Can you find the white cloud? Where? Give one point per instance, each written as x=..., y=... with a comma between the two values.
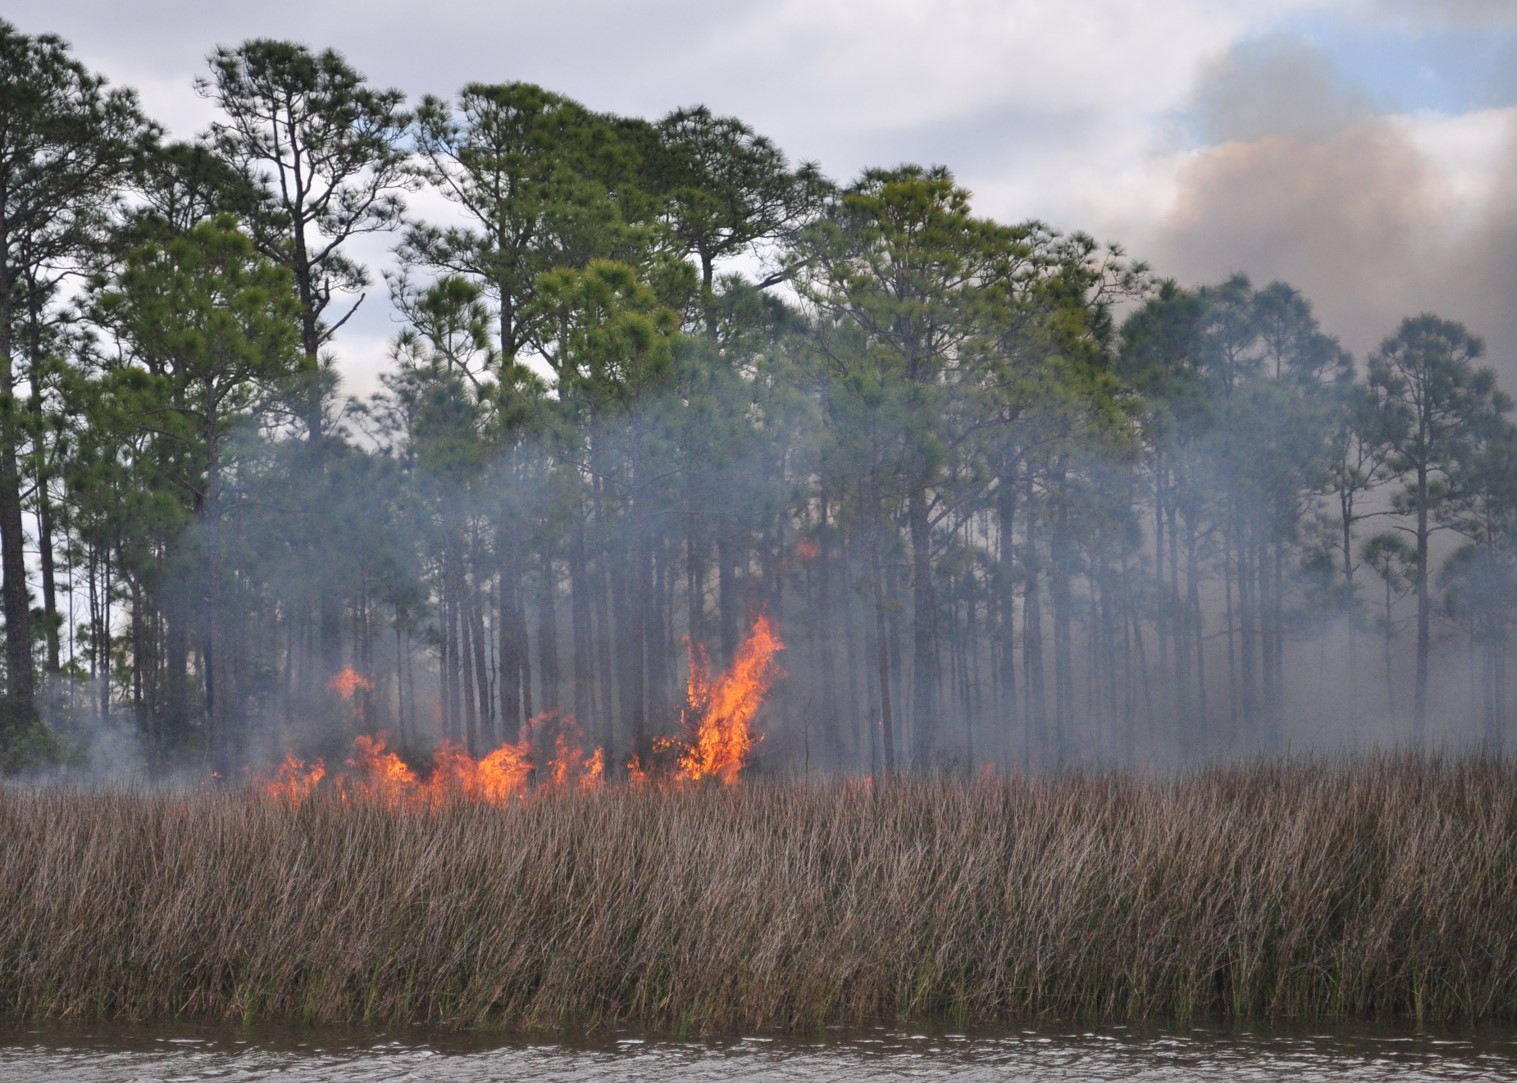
x=1459, y=14
x=1470, y=149
x=819, y=70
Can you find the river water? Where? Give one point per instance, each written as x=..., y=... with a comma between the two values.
x=118, y=1055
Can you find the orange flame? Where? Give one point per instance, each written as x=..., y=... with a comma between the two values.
x=381, y=773
x=295, y=780
x=724, y=736
x=347, y=681
x=493, y=778
x=376, y=772
x=570, y=767
x=550, y=755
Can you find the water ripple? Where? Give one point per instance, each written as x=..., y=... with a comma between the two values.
x=114, y=1054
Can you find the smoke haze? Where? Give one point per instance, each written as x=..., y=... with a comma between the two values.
x=1208, y=139
x=1373, y=217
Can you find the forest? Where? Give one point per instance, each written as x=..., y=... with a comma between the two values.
x=1011, y=498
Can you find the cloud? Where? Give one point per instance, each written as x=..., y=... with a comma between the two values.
x=829, y=70
x=1459, y=14
x=1373, y=217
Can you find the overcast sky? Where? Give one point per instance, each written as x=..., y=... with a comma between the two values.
x=1363, y=150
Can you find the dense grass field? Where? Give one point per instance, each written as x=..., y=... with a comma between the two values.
x=1303, y=890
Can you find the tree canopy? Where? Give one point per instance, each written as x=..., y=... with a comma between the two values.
x=1009, y=498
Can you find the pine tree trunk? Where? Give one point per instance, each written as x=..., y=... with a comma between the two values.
x=464, y=653
x=580, y=591
x=727, y=599
x=882, y=662
x=476, y=606
x=1424, y=612
x=1006, y=600
x=547, y=636
x=695, y=571
x=510, y=690
x=20, y=713
x=924, y=673
x=50, y=619
x=825, y=637
x=1032, y=650
x=1061, y=545
x=218, y=682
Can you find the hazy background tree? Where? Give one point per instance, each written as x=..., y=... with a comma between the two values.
x=213, y=324
x=323, y=151
x=1430, y=398
x=65, y=141
x=1008, y=500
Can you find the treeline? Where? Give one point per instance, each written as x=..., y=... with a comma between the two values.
x=653, y=380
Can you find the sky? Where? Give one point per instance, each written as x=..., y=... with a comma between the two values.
x=1364, y=151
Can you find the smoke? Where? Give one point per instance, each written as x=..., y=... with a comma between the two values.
x=96, y=748
x=1298, y=177
x=1367, y=214
x=1277, y=87
x=1489, y=263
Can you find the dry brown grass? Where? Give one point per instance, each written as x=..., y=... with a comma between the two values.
x=1304, y=890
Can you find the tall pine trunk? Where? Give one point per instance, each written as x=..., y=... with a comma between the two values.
x=924, y=672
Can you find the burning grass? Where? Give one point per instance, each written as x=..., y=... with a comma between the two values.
x=716, y=739
x=1383, y=888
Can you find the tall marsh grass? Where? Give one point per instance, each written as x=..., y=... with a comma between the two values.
x=1307, y=890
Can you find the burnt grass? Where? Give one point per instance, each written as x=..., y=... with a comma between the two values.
x=1303, y=890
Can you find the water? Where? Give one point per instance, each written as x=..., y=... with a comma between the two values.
x=119, y=1055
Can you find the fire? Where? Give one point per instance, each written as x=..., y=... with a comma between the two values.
x=723, y=736
x=348, y=681
x=295, y=780
x=550, y=753
x=493, y=778
x=376, y=772
x=380, y=773
x=592, y=771
x=570, y=767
